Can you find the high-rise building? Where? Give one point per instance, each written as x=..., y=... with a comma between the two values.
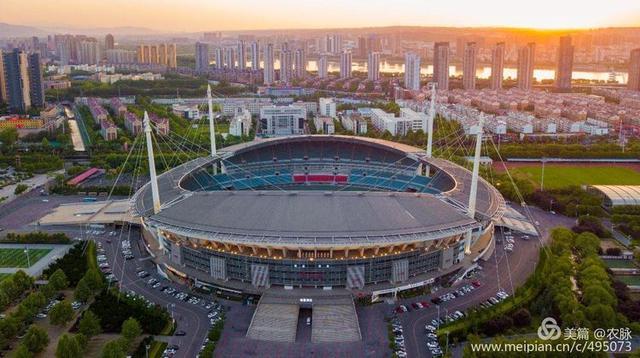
x=526, y=60
x=497, y=66
x=269, y=68
x=633, y=83
x=202, y=57
x=3, y=80
x=219, y=58
x=441, y=65
x=36, y=88
x=120, y=56
x=565, y=63
x=334, y=43
x=469, y=66
x=323, y=66
x=163, y=54
x=16, y=80
x=255, y=55
x=300, y=60
x=286, y=65
x=109, y=42
x=412, y=71
x=242, y=56
x=230, y=58
x=172, y=56
x=212, y=36
x=345, y=64
x=373, y=66
x=88, y=52
x=362, y=47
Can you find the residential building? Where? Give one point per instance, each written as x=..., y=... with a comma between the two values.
x=120, y=56
x=412, y=71
x=202, y=57
x=286, y=65
x=242, y=56
x=240, y=125
x=161, y=124
x=229, y=58
x=16, y=81
x=132, y=123
x=109, y=42
x=108, y=130
x=565, y=63
x=327, y=107
x=441, y=65
x=162, y=54
x=118, y=108
x=353, y=121
x=36, y=87
x=469, y=65
x=219, y=62
x=526, y=60
x=323, y=66
x=255, y=56
x=269, y=68
x=184, y=111
x=373, y=66
x=300, y=61
x=497, y=66
x=633, y=83
x=345, y=64
x=88, y=52
x=282, y=120
x=384, y=121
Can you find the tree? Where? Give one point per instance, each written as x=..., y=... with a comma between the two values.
x=113, y=349
x=131, y=330
x=94, y=279
x=68, y=347
x=22, y=352
x=9, y=137
x=83, y=292
x=521, y=317
x=61, y=313
x=36, y=339
x=45, y=143
x=59, y=280
x=89, y=324
x=20, y=188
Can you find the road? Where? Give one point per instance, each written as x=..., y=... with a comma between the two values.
x=189, y=318
x=503, y=270
x=37, y=180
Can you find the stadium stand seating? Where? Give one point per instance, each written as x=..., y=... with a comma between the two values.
x=334, y=323
x=274, y=322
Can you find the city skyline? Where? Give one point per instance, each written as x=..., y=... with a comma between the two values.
x=282, y=14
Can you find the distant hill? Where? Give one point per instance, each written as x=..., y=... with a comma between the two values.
x=9, y=30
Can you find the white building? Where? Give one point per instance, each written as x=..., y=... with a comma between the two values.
x=241, y=123
x=324, y=125
x=269, y=69
x=323, y=66
x=384, y=121
x=188, y=112
x=373, y=66
x=418, y=119
x=345, y=64
x=412, y=71
x=327, y=107
x=354, y=122
x=255, y=56
x=282, y=120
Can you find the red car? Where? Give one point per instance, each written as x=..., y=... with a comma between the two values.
x=415, y=306
x=475, y=283
x=425, y=304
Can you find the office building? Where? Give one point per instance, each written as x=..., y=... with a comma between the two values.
x=109, y=42
x=373, y=66
x=469, y=66
x=255, y=56
x=286, y=65
x=282, y=120
x=323, y=66
x=300, y=60
x=327, y=107
x=526, y=60
x=242, y=56
x=497, y=66
x=202, y=57
x=633, y=83
x=412, y=71
x=565, y=63
x=441, y=65
x=345, y=64
x=269, y=68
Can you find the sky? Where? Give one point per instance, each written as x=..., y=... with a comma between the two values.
x=203, y=15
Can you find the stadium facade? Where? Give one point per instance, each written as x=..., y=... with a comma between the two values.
x=317, y=211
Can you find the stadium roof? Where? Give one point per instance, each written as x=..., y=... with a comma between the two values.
x=618, y=195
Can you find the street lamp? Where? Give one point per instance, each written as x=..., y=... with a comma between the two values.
x=26, y=251
x=147, y=346
x=172, y=305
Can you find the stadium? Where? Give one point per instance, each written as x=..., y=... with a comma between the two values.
x=317, y=212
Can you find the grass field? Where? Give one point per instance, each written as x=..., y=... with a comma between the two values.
x=18, y=258
x=560, y=175
x=613, y=263
x=629, y=280
x=4, y=276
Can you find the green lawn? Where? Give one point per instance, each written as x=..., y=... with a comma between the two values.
x=18, y=258
x=613, y=263
x=4, y=276
x=629, y=280
x=558, y=176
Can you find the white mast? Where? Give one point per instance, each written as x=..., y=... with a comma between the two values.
x=476, y=168
x=432, y=115
x=212, y=128
x=152, y=165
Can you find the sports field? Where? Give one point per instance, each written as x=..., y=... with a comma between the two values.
x=18, y=258
x=563, y=175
